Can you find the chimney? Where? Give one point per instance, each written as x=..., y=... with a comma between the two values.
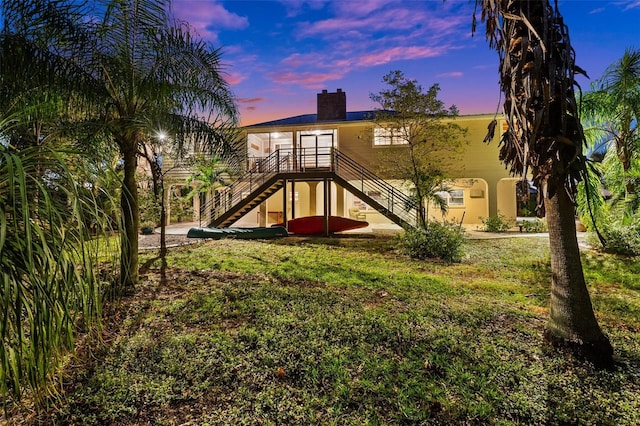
x=332, y=106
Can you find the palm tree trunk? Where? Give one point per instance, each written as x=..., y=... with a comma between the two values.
x=130, y=221
x=572, y=323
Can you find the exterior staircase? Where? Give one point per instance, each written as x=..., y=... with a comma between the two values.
x=269, y=174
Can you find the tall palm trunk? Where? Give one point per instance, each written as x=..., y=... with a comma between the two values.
x=572, y=322
x=537, y=70
x=130, y=222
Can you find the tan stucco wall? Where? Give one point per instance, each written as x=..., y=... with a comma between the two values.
x=479, y=164
x=506, y=198
x=476, y=202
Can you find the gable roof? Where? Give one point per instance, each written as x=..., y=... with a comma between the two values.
x=313, y=119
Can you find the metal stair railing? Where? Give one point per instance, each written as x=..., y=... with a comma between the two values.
x=367, y=182
x=262, y=170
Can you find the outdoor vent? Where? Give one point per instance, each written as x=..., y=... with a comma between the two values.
x=476, y=193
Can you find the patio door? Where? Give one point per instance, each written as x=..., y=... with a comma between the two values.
x=315, y=149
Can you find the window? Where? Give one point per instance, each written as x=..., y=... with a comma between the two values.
x=454, y=198
x=387, y=136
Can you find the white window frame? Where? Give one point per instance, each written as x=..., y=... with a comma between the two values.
x=454, y=197
x=388, y=136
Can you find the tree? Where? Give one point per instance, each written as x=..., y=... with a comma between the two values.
x=151, y=75
x=209, y=173
x=612, y=109
x=544, y=135
x=128, y=76
x=417, y=121
x=49, y=283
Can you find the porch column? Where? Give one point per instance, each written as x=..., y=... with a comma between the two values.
x=262, y=214
x=313, y=193
x=196, y=208
x=339, y=200
x=284, y=203
x=327, y=206
x=293, y=199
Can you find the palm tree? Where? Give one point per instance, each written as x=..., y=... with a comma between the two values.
x=152, y=75
x=48, y=264
x=545, y=137
x=209, y=174
x=613, y=110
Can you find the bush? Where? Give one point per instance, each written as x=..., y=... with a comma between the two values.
x=497, y=223
x=535, y=225
x=620, y=238
x=439, y=240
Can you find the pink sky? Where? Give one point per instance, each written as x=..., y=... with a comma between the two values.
x=279, y=54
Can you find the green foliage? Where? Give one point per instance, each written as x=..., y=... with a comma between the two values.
x=497, y=223
x=611, y=114
x=209, y=173
x=149, y=204
x=50, y=290
x=413, y=120
x=345, y=331
x=536, y=225
x=440, y=240
x=181, y=204
x=621, y=237
x=91, y=60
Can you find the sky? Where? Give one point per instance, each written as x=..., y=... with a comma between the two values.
x=278, y=54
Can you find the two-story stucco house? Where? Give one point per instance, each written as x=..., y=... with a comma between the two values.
x=327, y=164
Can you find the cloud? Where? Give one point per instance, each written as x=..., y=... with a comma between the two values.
x=597, y=10
x=297, y=60
x=630, y=4
x=234, y=78
x=307, y=79
x=295, y=7
x=244, y=101
x=454, y=74
x=398, y=53
x=206, y=16
x=397, y=20
x=355, y=9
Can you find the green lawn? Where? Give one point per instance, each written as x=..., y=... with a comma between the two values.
x=344, y=331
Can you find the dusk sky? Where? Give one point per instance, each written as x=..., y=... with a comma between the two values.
x=279, y=54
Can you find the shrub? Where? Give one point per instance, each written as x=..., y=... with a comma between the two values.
x=498, y=223
x=620, y=238
x=535, y=225
x=438, y=240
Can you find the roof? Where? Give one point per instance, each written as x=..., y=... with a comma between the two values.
x=313, y=119
x=354, y=116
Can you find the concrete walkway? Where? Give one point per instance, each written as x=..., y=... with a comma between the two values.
x=389, y=229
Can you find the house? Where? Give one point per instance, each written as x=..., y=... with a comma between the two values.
x=327, y=163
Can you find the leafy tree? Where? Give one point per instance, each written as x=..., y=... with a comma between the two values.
x=612, y=110
x=545, y=137
x=418, y=122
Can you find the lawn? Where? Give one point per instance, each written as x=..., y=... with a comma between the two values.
x=345, y=331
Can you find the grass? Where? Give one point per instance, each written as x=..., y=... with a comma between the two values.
x=343, y=331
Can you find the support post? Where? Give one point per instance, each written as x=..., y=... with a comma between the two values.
x=284, y=203
x=327, y=206
x=293, y=199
